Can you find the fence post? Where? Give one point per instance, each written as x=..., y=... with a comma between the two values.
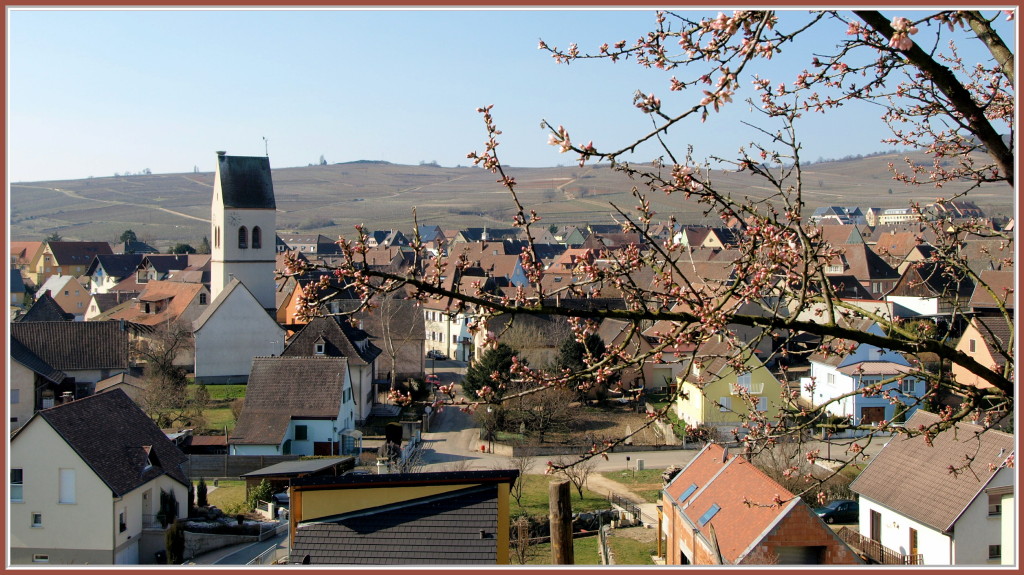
x=560, y=519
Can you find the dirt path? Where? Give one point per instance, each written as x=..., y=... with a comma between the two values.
x=600, y=484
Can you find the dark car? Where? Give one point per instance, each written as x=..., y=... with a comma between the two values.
x=839, y=511
x=435, y=354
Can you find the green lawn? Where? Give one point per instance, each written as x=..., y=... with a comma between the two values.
x=626, y=551
x=229, y=496
x=218, y=413
x=646, y=483
x=535, y=497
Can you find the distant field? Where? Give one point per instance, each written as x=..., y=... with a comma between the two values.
x=169, y=208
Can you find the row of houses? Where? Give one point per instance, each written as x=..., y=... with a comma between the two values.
x=312, y=382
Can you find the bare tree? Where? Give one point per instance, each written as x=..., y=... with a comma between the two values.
x=576, y=470
x=962, y=114
x=167, y=398
x=522, y=461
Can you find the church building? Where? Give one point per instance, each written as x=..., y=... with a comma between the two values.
x=240, y=322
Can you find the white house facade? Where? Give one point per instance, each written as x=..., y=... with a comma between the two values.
x=233, y=330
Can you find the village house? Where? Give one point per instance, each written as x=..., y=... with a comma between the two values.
x=98, y=497
x=440, y=518
x=948, y=498
x=106, y=271
x=64, y=258
x=334, y=336
x=722, y=510
x=296, y=406
x=69, y=292
x=55, y=362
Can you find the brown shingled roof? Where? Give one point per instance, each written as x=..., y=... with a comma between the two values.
x=912, y=478
x=283, y=388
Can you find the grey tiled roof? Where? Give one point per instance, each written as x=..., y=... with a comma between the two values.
x=339, y=337
x=46, y=308
x=25, y=357
x=438, y=530
x=76, y=345
x=246, y=182
x=115, y=265
x=283, y=388
x=913, y=478
x=119, y=442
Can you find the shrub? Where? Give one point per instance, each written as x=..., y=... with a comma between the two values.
x=174, y=542
x=201, y=489
x=262, y=492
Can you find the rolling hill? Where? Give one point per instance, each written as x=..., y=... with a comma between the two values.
x=164, y=209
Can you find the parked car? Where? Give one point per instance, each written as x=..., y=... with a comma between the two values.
x=435, y=354
x=839, y=511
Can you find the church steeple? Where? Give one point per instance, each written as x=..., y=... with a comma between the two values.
x=243, y=226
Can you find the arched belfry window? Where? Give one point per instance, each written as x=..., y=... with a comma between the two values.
x=216, y=236
x=257, y=238
x=243, y=238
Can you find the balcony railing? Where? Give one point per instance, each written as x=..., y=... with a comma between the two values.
x=877, y=552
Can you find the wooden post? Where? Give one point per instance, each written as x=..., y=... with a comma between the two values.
x=560, y=521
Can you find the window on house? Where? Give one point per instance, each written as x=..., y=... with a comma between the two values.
x=257, y=238
x=300, y=433
x=15, y=396
x=243, y=238
x=831, y=379
x=971, y=344
x=67, y=486
x=743, y=380
x=908, y=386
x=995, y=504
x=762, y=403
x=17, y=484
x=995, y=551
x=37, y=520
x=202, y=299
x=40, y=558
x=724, y=403
x=66, y=292
x=122, y=526
x=318, y=349
x=708, y=514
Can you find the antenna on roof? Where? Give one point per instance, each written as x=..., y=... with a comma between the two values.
x=266, y=148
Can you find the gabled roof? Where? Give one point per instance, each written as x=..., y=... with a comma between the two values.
x=749, y=502
x=167, y=263
x=17, y=284
x=115, y=265
x=75, y=345
x=284, y=388
x=176, y=297
x=932, y=279
x=78, y=253
x=928, y=492
x=123, y=378
x=245, y=182
x=25, y=357
x=1002, y=285
x=46, y=308
x=119, y=442
x=440, y=529
x=340, y=339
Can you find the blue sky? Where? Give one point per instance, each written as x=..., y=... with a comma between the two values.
x=94, y=92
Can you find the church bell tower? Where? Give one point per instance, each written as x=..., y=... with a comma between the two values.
x=243, y=220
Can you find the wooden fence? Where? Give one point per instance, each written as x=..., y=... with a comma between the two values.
x=876, y=551
x=230, y=466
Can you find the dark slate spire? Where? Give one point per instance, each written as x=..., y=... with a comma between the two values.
x=245, y=182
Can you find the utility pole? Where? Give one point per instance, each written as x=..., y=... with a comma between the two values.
x=560, y=522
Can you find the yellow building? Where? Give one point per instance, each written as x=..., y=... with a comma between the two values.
x=446, y=518
x=714, y=394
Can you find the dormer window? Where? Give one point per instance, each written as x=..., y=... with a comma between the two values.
x=319, y=346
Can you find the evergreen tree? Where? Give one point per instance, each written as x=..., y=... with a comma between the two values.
x=496, y=360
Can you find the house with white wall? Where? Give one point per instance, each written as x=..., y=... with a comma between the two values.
x=233, y=330
x=94, y=498
x=948, y=498
x=837, y=379
x=296, y=406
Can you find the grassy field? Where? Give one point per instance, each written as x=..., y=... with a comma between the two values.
x=646, y=483
x=625, y=551
x=535, y=497
x=218, y=414
x=229, y=496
